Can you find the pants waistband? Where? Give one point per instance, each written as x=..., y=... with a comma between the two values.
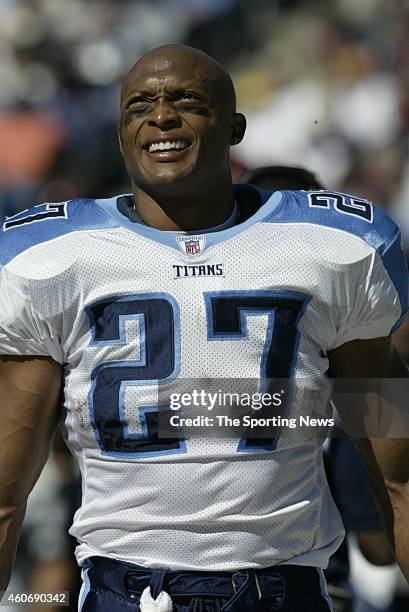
x=130, y=580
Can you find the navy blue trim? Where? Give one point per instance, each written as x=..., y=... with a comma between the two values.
x=122, y=335
x=272, y=304
x=343, y=204
x=130, y=363
x=296, y=209
x=81, y=215
x=42, y=212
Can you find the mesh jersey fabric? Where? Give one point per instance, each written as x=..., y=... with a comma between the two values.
x=203, y=504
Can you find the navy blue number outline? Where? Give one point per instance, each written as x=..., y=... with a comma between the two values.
x=52, y=211
x=243, y=446
x=296, y=297
x=129, y=363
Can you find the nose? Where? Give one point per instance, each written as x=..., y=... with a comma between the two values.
x=164, y=116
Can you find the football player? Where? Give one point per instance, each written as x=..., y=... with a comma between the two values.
x=123, y=303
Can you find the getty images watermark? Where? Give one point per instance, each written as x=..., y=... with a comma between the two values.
x=304, y=408
x=208, y=400
x=255, y=411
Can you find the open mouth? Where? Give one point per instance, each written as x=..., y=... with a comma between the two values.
x=169, y=145
x=167, y=150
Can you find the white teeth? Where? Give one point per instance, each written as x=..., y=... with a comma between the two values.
x=167, y=146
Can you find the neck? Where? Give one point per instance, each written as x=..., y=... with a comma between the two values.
x=185, y=213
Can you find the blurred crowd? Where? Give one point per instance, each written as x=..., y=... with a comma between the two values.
x=324, y=85
x=60, y=68
x=329, y=89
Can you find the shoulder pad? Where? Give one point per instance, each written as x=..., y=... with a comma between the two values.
x=340, y=211
x=46, y=222
x=355, y=216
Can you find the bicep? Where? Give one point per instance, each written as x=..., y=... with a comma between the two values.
x=30, y=391
x=366, y=359
x=373, y=401
x=374, y=547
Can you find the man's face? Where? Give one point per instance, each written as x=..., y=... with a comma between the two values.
x=173, y=123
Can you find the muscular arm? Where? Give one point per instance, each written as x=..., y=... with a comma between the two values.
x=374, y=546
x=386, y=458
x=30, y=390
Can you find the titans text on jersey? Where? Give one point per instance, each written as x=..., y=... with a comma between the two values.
x=299, y=275
x=191, y=271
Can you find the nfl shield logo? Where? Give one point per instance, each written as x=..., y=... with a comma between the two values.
x=191, y=245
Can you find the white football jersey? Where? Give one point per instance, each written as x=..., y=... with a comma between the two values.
x=136, y=315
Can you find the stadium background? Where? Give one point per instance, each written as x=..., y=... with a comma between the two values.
x=324, y=85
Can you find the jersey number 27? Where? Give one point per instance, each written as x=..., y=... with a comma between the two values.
x=158, y=362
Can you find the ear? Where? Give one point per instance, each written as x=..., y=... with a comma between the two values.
x=120, y=139
x=238, y=128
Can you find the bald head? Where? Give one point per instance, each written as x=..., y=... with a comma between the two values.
x=193, y=62
x=178, y=121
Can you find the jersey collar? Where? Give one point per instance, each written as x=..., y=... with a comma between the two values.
x=254, y=206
